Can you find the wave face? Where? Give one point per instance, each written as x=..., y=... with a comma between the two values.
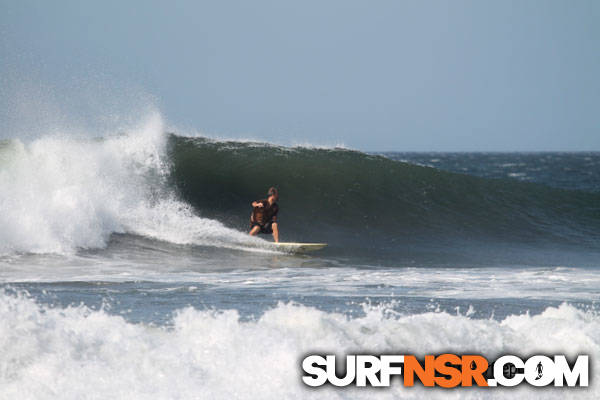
x=209, y=354
x=373, y=203
x=60, y=194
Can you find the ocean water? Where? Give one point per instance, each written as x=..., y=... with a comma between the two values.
x=126, y=270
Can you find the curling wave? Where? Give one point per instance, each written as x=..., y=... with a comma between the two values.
x=362, y=200
x=59, y=194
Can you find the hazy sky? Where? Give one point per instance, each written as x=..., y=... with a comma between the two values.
x=374, y=75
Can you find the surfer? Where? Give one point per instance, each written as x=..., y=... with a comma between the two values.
x=264, y=215
x=539, y=369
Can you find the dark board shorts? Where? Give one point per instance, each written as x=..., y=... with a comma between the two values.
x=266, y=228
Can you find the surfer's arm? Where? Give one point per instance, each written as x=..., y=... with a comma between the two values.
x=257, y=204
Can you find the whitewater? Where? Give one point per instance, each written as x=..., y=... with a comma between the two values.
x=60, y=194
x=126, y=270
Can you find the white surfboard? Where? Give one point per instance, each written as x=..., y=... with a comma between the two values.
x=299, y=247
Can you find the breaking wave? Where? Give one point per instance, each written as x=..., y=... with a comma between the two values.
x=77, y=352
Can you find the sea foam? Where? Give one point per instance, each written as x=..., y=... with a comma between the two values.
x=60, y=193
x=79, y=353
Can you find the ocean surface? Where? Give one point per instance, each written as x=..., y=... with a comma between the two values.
x=126, y=270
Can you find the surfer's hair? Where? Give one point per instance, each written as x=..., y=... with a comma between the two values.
x=273, y=192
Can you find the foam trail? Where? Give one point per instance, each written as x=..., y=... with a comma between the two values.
x=58, y=194
x=75, y=352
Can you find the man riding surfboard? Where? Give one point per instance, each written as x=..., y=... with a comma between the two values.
x=264, y=215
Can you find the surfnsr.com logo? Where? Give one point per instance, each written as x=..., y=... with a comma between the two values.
x=446, y=370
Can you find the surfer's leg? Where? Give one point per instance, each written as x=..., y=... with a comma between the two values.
x=255, y=229
x=275, y=231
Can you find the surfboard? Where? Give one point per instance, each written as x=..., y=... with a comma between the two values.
x=299, y=247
